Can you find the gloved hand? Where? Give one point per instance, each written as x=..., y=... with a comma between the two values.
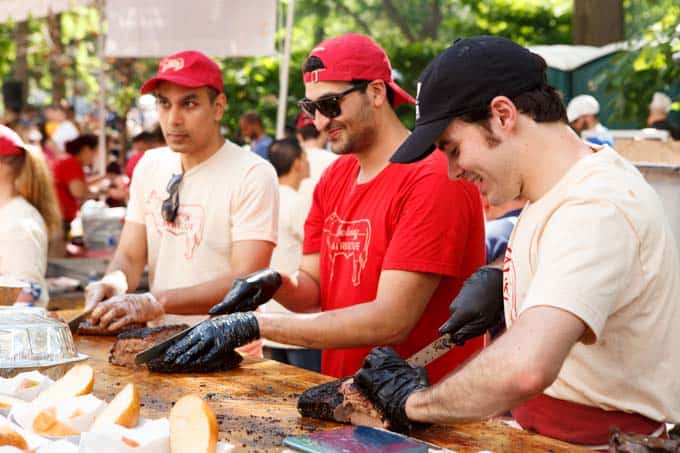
x=119, y=311
x=388, y=380
x=212, y=337
x=249, y=292
x=478, y=306
x=113, y=284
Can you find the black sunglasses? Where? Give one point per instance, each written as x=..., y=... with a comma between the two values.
x=329, y=105
x=170, y=206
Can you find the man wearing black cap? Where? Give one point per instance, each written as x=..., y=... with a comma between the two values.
x=591, y=275
x=382, y=257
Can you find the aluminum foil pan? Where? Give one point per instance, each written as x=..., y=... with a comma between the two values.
x=30, y=341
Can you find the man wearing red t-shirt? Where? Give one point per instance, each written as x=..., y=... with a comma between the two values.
x=383, y=256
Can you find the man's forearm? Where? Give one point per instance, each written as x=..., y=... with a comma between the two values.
x=133, y=271
x=484, y=387
x=361, y=325
x=196, y=299
x=518, y=366
x=299, y=293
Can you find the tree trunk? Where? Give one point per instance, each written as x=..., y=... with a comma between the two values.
x=434, y=20
x=597, y=22
x=57, y=58
x=399, y=20
x=20, y=66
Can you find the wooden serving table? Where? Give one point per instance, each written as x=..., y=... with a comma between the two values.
x=255, y=405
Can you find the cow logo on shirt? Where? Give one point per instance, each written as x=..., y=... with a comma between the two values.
x=510, y=283
x=348, y=240
x=190, y=222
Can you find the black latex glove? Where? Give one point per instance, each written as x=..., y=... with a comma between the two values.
x=478, y=306
x=211, y=338
x=249, y=292
x=388, y=380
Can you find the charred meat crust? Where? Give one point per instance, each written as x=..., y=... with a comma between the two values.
x=129, y=344
x=87, y=328
x=620, y=442
x=321, y=401
x=340, y=401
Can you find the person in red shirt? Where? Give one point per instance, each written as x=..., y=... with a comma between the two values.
x=383, y=256
x=69, y=178
x=141, y=143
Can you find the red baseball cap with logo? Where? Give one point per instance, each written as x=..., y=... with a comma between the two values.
x=189, y=68
x=354, y=57
x=10, y=142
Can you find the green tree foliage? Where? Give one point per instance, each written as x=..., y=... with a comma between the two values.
x=411, y=31
x=652, y=65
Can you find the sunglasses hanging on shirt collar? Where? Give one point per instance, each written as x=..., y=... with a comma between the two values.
x=329, y=105
x=170, y=206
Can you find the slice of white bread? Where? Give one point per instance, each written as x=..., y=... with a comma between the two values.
x=79, y=380
x=193, y=426
x=46, y=423
x=6, y=402
x=11, y=438
x=123, y=410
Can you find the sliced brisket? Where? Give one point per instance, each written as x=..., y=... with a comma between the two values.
x=87, y=328
x=339, y=401
x=131, y=343
x=634, y=443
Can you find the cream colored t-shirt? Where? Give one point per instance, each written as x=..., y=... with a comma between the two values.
x=233, y=196
x=23, y=245
x=599, y=246
x=293, y=209
x=319, y=159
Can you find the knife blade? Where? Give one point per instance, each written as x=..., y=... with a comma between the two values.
x=432, y=351
x=159, y=349
x=75, y=322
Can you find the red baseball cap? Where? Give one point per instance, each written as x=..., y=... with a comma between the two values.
x=188, y=69
x=10, y=142
x=354, y=57
x=303, y=120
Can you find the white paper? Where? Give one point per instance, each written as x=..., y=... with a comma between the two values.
x=16, y=386
x=32, y=440
x=60, y=446
x=87, y=407
x=150, y=436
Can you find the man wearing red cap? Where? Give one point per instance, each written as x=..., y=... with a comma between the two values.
x=383, y=257
x=202, y=212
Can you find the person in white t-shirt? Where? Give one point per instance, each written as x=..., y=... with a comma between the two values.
x=292, y=167
x=29, y=215
x=591, y=277
x=314, y=144
x=202, y=211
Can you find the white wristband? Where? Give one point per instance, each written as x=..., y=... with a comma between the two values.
x=117, y=280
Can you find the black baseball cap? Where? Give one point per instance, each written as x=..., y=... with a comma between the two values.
x=463, y=78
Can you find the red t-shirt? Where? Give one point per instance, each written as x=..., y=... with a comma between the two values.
x=409, y=217
x=65, y=170
x=132, y=163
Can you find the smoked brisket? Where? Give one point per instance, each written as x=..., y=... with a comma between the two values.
x=129, y=344
x=620, y=442
x=87, y=328
x=339, y=401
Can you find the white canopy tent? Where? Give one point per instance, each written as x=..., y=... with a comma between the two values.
x=19, y=10
x=155, y=28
